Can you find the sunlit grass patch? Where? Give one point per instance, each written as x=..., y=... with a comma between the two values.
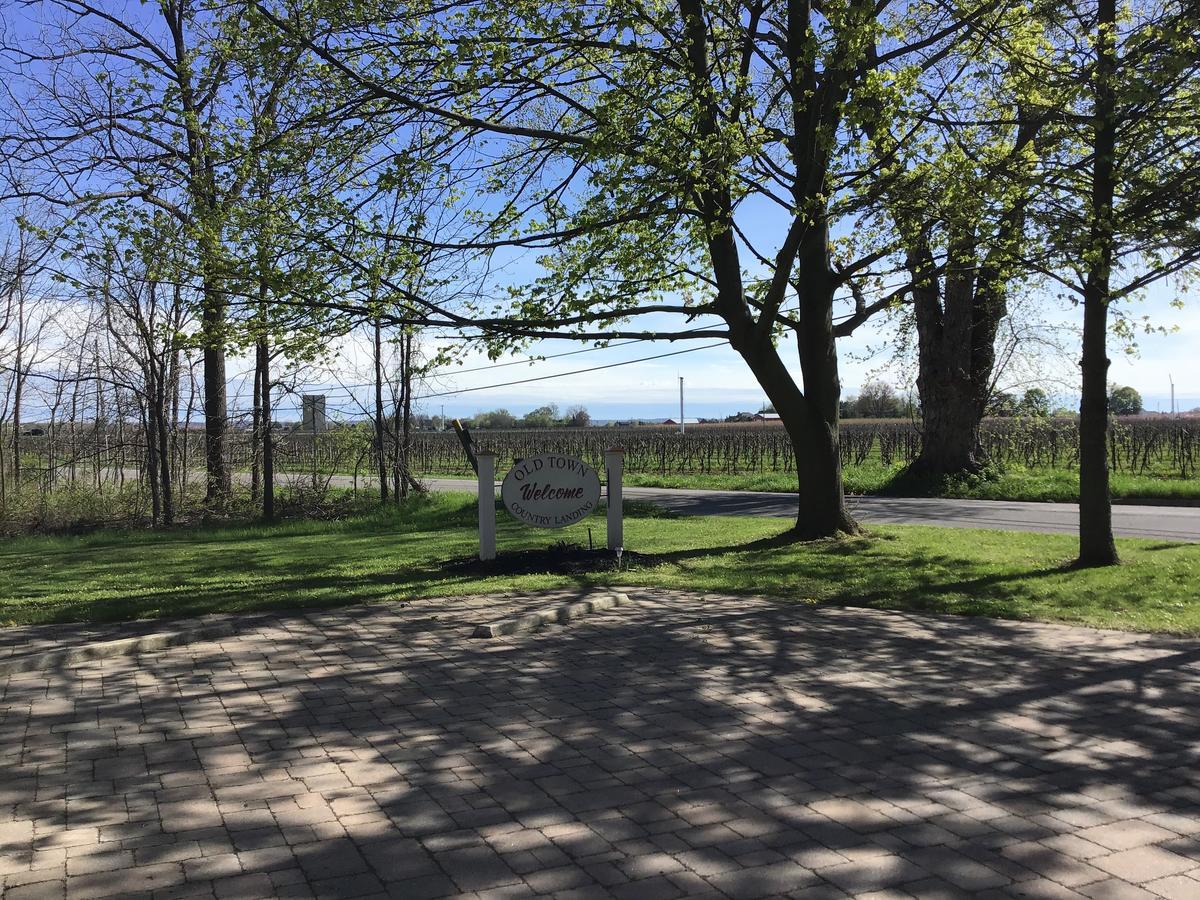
x=401, y=553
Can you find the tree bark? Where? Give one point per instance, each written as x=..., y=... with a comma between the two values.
x=948, y=377
x=823, y=510
x=406, y=423
x=956, y=332
x=163, y=437
x=810, y=417
x=19, y=382
x=256, y=432
x=18, y=387
x=150, y=429
x=100, y=451
x=216, y=419
x=263, y=363
x=1096, y=544
x=380, y=442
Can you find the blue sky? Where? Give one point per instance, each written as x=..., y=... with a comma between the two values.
x=717, y=383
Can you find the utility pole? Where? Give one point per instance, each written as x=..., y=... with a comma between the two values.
x=681, y=425
x=442, y=420
x=1172, y=380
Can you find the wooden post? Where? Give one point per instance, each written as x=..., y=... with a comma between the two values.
x=487, y=504
x=464, y=437
x=614, y=468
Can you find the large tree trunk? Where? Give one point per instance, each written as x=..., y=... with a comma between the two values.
x=150, y=429
x=164, y=443
x=950, y=382
x=256, y=433
x=216, y=417
x=16, y=422
x=950, y=422
x=263, y=363
x=403, y=481
x=152, y=414
x=956, y=333
x=813, y=435
x=809, y=416
x=380, y=442
x=406, y=423
x=823, y=510
x=1096, y=544
x=18, y=387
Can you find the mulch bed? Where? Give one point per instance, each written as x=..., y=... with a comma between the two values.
x=559, y=559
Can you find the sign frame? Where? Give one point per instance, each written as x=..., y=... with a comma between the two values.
x=550, y=490
x=614, y=460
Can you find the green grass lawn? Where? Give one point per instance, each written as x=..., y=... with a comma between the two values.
x=396, y=554
x=1041, y=485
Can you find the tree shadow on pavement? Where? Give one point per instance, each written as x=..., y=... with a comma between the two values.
x=729, y=747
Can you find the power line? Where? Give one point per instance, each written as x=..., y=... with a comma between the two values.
x=628, y=362
x=537, y=359
x=349, y=388
x=529, y=360
x=348, y=391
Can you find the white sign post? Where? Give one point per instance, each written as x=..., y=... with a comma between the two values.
x=487, y=504
x=551, y=490
x=614, y=468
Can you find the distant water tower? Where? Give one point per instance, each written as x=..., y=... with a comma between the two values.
x=313, y=410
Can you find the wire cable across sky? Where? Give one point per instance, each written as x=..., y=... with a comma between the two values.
x=627, y=362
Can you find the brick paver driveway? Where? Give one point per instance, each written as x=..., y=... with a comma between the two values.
x=675, y=748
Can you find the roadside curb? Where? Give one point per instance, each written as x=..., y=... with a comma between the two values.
x=561, y=615
x=159, y=640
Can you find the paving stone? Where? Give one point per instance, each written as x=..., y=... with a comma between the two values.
x=657, y=888
x=959, y=870
x=1043, y=889
x=688, y=746
x=1175, y=887
x=476, y=868
x=1116, y=889
x=873, y=874
x=647, y=865
x=45, y=890
x=1125, y=835
x=245, y=886
x=1144, y=864
x=125, y=881
x=764, y=881
x=424, y=887
x=564, y=878
x=1075, y=846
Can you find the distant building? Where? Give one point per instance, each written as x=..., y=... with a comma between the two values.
x=688, y=420
x=767, y=417
x=313, y=408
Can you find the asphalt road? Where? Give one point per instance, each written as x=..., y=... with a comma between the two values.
x=1174, y=523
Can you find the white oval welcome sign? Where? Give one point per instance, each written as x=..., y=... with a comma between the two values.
x=550, y=491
